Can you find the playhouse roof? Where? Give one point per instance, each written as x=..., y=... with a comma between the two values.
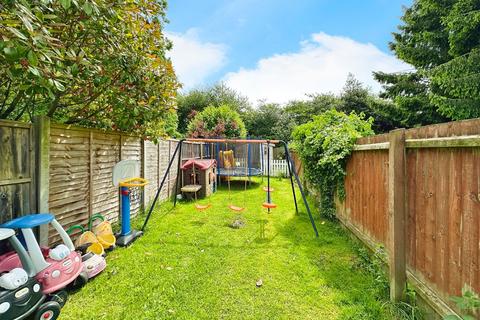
x=200, y=164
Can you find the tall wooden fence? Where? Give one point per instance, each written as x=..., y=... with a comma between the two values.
x=68, y=171
x=417, y=193
x=17, y=169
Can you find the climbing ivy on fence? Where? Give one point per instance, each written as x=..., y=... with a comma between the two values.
x=324, y=145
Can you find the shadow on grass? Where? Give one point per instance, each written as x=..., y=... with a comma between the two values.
x=238, y=184
x=332, y=255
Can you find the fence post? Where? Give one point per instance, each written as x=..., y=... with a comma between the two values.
x=144, y=174
x=397, y=213
x=42, y=137
x=90, y=175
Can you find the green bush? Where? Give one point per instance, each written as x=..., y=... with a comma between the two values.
x=324, y=145
x=217, y=122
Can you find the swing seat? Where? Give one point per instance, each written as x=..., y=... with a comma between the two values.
x=235, y=208
x=266, y=189
x=269, y=205
x=200, y=207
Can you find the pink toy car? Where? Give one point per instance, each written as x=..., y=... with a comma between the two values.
x=55, y=268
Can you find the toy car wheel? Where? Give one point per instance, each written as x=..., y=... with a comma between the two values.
x=60, y=297
x=48, y=311
x=81, y=280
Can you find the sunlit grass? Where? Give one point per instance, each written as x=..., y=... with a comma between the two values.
x=193, y=265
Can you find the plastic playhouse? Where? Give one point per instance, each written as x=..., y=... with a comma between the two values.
x=198, y=176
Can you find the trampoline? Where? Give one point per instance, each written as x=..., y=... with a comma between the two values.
x=239, y=172
x=246, y=159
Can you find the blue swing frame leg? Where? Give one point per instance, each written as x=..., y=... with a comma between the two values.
x=127, y=236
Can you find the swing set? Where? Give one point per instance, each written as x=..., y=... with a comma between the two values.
x=229, y=165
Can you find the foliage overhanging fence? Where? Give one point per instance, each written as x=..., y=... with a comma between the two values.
x=416, y=192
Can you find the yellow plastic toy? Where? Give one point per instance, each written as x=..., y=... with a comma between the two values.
x=87, y=238
x=103, y=231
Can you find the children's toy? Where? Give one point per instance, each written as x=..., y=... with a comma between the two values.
x=103, y=231
x=126, y=175
x=93, y=263
x=87, y=241
x=13, y=279
x=55, y=268
x=20, y=292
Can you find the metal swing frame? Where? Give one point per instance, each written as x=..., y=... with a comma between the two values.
x=290, y=165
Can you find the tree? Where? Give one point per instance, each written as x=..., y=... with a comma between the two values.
x=302, y=111
x=196, y=100
x=95, y=63
x=217, y=122
x=269, y=121
x=410, y=93
x=441, y=39
x=355, y=97
x=455, y=83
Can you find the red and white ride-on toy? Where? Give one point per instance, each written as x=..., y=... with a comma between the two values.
x=55, y=268
x=20, y=292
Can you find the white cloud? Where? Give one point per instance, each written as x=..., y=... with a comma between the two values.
x=193, y=60
x=321, y=65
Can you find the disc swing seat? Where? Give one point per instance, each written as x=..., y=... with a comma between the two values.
x=268, y=204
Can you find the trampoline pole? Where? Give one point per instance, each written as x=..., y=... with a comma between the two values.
x=301, y=191
x=261, y=161
x=178, y=171
x=160, y=187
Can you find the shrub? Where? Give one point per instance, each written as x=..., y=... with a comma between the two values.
x=217, y=122
x=324, y=145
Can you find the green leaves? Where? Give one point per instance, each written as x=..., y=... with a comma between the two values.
x=32, y=58
x=324, y=145
x=440, y=39
x=215, y=122
x=75, y=62
x=17, y=33
x=88, y=8
x=66, y=4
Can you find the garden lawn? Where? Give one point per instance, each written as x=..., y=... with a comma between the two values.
x=193, y=265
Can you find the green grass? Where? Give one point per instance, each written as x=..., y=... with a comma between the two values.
x=192, y=265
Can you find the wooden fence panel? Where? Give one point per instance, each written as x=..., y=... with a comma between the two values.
x=69, y=182
x=105, y=148
x=17, y=188
x=131, y=149
x=443, y=223
x=151, y=170
x=366, y=189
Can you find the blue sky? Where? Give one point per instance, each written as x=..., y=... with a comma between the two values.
x=275, y=49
